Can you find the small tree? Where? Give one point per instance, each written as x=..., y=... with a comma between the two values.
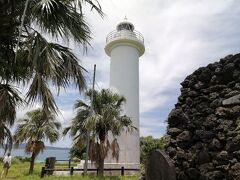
x=106, y=119
x=78, y=150
x=36, y=128
x=147, y=145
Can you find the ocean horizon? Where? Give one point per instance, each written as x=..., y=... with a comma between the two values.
x=60, y=154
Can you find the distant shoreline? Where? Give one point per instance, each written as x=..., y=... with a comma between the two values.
x=22, y=146
x=59, y=153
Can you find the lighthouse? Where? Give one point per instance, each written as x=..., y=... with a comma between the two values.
x=124, y=46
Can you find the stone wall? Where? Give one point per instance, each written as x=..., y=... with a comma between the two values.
x=203, y=142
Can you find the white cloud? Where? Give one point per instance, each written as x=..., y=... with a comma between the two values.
x=180, y=36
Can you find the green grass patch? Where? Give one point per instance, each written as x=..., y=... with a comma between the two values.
x=19, y=170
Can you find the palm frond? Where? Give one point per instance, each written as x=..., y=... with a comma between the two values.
x=36, y=128
x=60, y=18
x=94, y=5
x=115, y=149
x=40, y=91
x=9, y=100
x=6, y=140
x=34, y=146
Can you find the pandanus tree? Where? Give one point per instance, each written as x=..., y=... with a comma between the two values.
x=34, y=60
x=106, y=119
x=35, y=129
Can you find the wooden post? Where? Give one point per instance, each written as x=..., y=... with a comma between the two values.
x=71, y=171
x=122, y=171
x=42, y=172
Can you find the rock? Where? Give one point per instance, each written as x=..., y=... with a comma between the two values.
x=171, y=151
x=199, y=85
x=204, y=168
x=185, y=165
x=204, y=143
x=223, y=112
x=218, y=71
x=205, y=76
x=233, y=161
x=216, y=103
x=204, y=134
x=236, y=74
x=176, y=117
x=221, y=136
x=235, y=111
x=193, y=173
x=182, y=155
x=222, y=158
x=184, y=136
x=225, y=125
x=216, y=88
x=232, y=100
x=236, y=154
x=174, y=131
x=232, y=92
x=235, y=171
x=189, y=101
x=160, y=167
x=233, y=145
x=223, y=155
x=228, y=72
x=215, y=175
x=215, y=145
x=185, y=83
x=203, y=157
x=192, y=94
x=223, y=168
x=232, y=133
x=213, y=96
x=182, y=176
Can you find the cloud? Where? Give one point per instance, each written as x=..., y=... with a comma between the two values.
x=180, y=36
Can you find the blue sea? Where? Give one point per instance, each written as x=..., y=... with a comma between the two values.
x=59, y=154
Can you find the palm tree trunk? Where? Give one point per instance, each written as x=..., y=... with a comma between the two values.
x=101, y=166
x=32, y=163
x=101, y=156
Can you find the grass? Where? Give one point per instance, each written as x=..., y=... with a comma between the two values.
x=19, y=171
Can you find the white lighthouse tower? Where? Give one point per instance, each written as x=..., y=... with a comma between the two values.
x=125, y=45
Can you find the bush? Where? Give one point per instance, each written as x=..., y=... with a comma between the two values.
x=149, y=144
x=16, y=161
x=23, y=159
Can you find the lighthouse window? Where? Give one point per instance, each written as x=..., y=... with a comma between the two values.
x=125, y=27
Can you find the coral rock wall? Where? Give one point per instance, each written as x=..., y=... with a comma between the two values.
x=203, y=142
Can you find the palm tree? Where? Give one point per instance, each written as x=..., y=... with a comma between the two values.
x=36, y=128
x=38, y=62
x=106, y=119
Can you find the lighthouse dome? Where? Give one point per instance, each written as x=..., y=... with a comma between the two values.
x=125, y=25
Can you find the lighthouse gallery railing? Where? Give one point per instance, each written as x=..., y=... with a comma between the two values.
x=125, y=34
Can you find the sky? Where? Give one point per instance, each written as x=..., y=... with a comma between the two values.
x=180, y=36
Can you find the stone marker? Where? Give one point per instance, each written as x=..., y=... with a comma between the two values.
x=50, y=164
x=159, y=167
